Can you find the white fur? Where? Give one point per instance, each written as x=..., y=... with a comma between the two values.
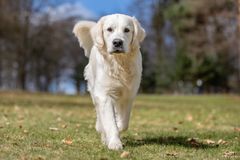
x=113, y=79
x=82, y=32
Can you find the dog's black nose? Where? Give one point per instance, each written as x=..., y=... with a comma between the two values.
x=117, y=43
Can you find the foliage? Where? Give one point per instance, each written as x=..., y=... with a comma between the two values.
x=213, y=72
x=191, y=19
x=184, y=65
x=205, y=35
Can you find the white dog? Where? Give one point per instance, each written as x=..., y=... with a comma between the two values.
x=113, y=72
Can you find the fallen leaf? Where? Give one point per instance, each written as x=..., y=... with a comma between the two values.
x=24, y=158
x=193, y=142
x=192, y=139
x=175, y=128
x=59, y=119
x=40, y=158
x=25, y=131
x=135, y=134
x=220, y=141
x=64, y=126
x=237, y=129
x=67, y=141
x=199, y=125
x=180, y=122
x=125, y=154
x=208, y=141
x=189, y=118
x=21, y=117
x=47, y=145
x=229, y=154
x=174, y=154
x=17, y=108
x=69, y=114
x=53, y=129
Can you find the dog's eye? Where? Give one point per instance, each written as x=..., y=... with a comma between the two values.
x=126, y=30
x=109, y=29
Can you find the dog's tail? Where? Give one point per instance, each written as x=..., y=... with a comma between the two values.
x=82, y=32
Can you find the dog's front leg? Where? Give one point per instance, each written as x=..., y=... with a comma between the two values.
x=108, y=119
x=123, y=115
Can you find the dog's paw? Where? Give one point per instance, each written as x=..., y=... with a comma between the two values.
x=122, y=128
x=115, y=144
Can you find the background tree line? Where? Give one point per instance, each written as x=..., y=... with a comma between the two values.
x=35, y=52
x=191, y=47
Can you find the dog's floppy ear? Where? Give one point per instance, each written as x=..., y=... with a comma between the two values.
x=97, y=33
x=138, y=34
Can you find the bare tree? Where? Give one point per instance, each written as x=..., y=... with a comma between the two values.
x=34, y=55
x=238, y=39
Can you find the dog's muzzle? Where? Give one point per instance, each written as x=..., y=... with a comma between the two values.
x=117, y=46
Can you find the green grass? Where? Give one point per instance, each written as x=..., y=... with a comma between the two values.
x=161, y=127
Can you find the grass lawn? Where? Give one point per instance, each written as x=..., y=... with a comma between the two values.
x=42, y=126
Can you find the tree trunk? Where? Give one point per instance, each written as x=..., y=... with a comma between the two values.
x=22, y=77
x=238, y=41
x=24, y=48
x=77, y=85
x=0, y=72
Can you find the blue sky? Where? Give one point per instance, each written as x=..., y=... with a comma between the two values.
x=86, y=9
x=97, y=8
x=100, y=7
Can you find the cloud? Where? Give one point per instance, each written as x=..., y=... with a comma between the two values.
x=67, y=10
x=64, y=11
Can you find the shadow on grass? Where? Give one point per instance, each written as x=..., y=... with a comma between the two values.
x=176, y=141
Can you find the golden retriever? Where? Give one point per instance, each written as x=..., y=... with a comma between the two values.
x=113, y=72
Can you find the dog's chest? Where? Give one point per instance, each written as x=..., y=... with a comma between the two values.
x=122, y=71
x=123, y=78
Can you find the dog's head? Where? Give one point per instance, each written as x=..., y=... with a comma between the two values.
x=117, y=33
